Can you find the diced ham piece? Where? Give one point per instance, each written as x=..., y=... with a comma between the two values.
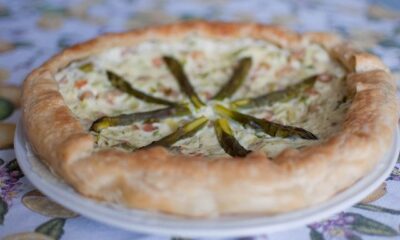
x=268, y=115
x=325, y=78
x=297, y=55
x=86, y=95
x=80, y=83
x=284, y=71
x=263, y=65
x=313, y=108
x=157, y=62
x=208, y=95
x=312, y=92
x=149, y=127
x=197, y=54
x=110, y=95
x=169, y=91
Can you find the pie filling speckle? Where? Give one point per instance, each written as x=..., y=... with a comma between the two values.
x=207, y=97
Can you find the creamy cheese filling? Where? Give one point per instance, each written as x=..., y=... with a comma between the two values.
x=208, y=64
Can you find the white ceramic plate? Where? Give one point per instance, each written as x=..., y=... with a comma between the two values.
x=163, y=224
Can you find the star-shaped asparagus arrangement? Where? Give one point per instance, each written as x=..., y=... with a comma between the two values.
x=223, y=130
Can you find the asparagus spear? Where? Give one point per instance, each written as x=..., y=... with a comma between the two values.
x=227, y=140
x=86, y=68
x=236, y=80
x=276, y=96
x=176, y=69
x=270, y=128
x=126, y=119
x=6, y=108
x=185, y=131
x=118, y=82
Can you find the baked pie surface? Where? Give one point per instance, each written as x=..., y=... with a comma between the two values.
x=350, y=107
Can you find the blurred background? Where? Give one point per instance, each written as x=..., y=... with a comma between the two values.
x=33, y=30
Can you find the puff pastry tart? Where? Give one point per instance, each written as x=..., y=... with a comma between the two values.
x=208, y=118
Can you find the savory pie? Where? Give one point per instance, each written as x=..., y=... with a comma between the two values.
x=208, y=118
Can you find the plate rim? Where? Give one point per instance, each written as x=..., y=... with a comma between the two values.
x=250, y=225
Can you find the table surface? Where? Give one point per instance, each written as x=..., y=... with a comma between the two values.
x=32, y=31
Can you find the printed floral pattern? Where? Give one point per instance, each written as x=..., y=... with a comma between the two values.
x=337, y=227
x=349, y=226
x=395, y=175
x=32, y=31
x=9, y=181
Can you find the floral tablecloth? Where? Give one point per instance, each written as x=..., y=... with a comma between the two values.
x=32, y=31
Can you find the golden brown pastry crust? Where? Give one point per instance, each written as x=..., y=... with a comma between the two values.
x=156, y=180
